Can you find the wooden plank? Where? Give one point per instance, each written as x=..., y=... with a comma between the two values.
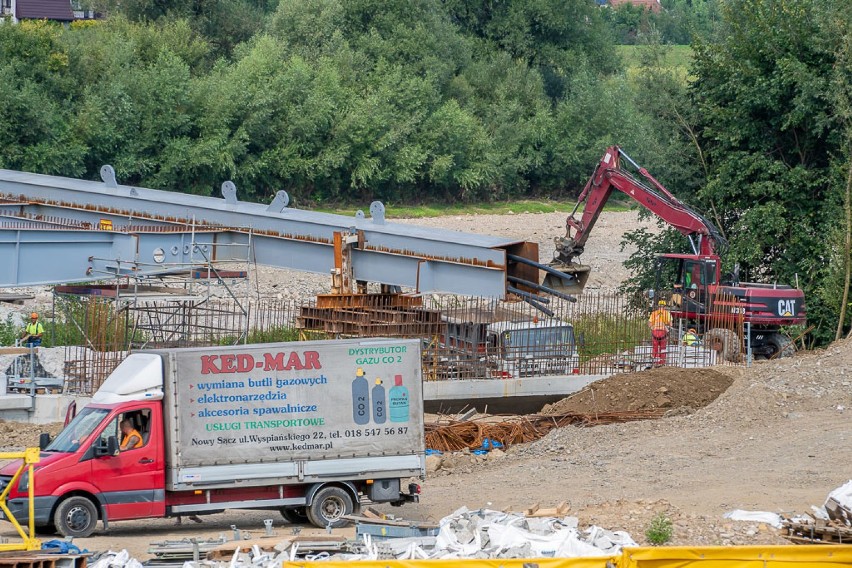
x=16, y=350
x=537, y=511
x=804, y=540
x=266, y=543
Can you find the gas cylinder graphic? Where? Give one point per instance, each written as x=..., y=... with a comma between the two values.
x=379, y=403
x=360, y=398
x=398, y=401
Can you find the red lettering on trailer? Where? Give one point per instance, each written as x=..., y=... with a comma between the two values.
x=312, y=360
x=228, y=363
x=245, y=363
x=294, y=362
x=208, y=365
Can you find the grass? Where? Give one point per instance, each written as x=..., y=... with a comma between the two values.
x=660, y=530
x=425, y=210
x=676, y=57
x=600, y=334
x=272, y=335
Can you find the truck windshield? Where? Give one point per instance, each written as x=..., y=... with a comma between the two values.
x=78, y=431
x=540, y=339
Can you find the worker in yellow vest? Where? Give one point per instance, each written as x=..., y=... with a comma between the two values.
x=33, y=332
x=660, y=322
x=690, y=338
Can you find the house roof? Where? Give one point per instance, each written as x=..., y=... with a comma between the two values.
x=44, y=9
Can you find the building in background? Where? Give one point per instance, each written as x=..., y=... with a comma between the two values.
x=54, y=10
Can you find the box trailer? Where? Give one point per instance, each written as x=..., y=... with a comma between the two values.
x=313, y=429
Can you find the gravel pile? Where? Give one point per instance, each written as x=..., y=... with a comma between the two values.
x=15, y=436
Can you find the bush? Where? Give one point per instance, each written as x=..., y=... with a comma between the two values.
x=660, y=530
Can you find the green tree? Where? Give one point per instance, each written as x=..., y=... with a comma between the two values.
x=770, y=132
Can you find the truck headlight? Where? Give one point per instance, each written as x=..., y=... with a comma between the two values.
x=24, y=481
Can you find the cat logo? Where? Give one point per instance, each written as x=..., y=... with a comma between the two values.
x=786, y=307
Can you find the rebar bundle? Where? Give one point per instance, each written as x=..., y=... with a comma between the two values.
x=455, y=435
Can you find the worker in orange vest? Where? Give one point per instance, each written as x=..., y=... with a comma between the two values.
x=660, y=322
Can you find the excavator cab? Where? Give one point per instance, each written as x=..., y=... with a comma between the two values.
x=690, y=279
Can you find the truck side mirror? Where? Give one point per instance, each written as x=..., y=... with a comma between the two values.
x=112, y=446
x=43, y=440
x=107, y=448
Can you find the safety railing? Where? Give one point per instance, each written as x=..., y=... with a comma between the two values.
x=29, y=458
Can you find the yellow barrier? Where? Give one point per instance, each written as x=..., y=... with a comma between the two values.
x=29, y=456
x=597, y=562
x=822, y=556
x=818, y=556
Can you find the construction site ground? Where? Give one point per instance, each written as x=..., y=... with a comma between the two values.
x=777, y=439
x=775, y=436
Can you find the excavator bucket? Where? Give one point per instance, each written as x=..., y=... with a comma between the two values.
x=577, y=276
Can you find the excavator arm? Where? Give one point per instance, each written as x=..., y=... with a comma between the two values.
x=609, y=176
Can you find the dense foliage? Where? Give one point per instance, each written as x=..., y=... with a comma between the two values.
x=328, y=99
x=677, y=23
x=456, y=100
x=767, y=119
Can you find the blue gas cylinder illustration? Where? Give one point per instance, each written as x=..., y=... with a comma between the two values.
x=398, y=401
x=379, y=403
x=360, y=398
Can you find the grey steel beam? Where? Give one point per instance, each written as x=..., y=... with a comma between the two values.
x=160, y=224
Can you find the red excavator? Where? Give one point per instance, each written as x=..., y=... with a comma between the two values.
x=692, y=282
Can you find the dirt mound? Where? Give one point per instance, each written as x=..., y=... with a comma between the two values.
x=663, y=388
x=19, y=435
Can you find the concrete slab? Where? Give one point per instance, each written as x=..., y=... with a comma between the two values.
x=48, y=407
x=15, y=402
x=518, y=396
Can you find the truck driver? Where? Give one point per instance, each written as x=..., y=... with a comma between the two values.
x=131, y=438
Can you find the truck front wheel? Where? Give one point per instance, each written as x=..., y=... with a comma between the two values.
x=76, y=517
x=329, y=505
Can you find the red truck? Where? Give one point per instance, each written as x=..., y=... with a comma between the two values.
x=313, y=429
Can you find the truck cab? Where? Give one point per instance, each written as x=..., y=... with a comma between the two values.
x=531, y=348
x=84, y=476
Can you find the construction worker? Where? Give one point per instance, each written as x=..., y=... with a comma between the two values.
x=33, y=332
x=131, y=438
x=660, y=322
x=690, y=338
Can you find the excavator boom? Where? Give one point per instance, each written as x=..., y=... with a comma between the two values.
x=610, y=176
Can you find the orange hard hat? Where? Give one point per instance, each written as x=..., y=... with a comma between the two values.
x=691, y=330
x=34, y=315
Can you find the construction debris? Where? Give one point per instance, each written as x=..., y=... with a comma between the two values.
x=481, y=533
x=112, y=559
x=829, y=524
